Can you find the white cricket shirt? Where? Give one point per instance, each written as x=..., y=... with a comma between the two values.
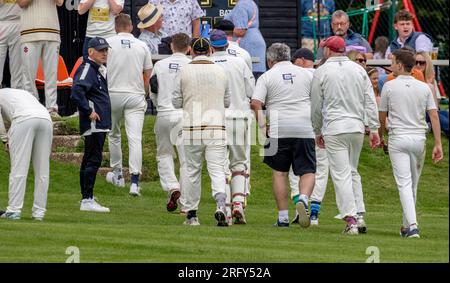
x=18, y=105
x=128, y=57
x=9, y=11
x=167, y=72
x=235, y=50
x=406, y=100
x=341, y=95
x=285, y=90
x=241, y=80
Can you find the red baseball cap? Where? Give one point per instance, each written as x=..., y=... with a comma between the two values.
x=335, y=43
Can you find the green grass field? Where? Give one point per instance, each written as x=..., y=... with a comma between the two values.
x=141, y=230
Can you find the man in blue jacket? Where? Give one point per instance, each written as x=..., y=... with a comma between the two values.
x=404, y=25
x=90, y=93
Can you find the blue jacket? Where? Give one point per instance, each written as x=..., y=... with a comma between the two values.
x=410, y=41
x=90, y=92
x=354, y=38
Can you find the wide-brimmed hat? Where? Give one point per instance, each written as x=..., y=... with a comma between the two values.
x=149, y=15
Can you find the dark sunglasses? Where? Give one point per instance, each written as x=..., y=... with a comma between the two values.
x=360, y=60
x=421, y=63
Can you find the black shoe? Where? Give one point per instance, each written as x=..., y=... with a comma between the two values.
x=281, y=224
x=2, y=212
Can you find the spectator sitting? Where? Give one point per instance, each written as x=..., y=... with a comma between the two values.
x=340, y=24
x=381, y=46
x=358, y=57
x=180, y=16
x=373, y=75
x=309, y=9
x=424, y=64
x=151, y=21
x=418, y=41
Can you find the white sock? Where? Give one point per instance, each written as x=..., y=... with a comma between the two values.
x=412, y=227
x=283, y=215
x=304, y=198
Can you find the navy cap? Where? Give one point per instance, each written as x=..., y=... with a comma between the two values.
x=98, y=43
x=303, y=53
x=200, y=45
x=218, y=38
x=225, y=25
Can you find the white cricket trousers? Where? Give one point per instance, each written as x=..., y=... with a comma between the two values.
x=320, y=185
x=215, y=155
x=10, y=42
x=343, y=152
x=168, y=135
x=238, y=159
x=407, y=154
x=131, y=107
x=29, y=139
x=48, y=51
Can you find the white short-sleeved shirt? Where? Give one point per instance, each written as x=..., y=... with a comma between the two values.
x=167, y=71
x=285, y=90
x=128, y=57
x=178, y=15
x=235, y=50
x=241, y=80
x=101, y=20
x=406, y=100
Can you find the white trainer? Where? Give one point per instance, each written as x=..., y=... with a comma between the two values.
x=112, y=178
x=351, y=229
x=193, y=221
x=92, y=205
x=361, y=224
x=135, y=190
x=238, y=213
x=229, y=216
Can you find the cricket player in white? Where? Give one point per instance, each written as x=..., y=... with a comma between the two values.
x=341, y=95
x=242, y=84
x=304, y=58
x=233, y=48
x=202, y=90
x=285, y=91
x=168, y=123
x=29, y=138
x=129, y=67
x=10, y=14
x=39, y=35
x=404, y=102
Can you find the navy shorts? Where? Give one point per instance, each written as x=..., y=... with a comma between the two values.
x=298, y=152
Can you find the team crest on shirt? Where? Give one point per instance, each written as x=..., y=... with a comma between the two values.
x=288, y=78
x=232, y=52
x=125, y=43
x=174, y=67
